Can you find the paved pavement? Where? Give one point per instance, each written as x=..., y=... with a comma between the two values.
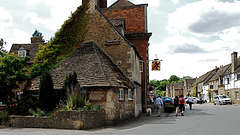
x=205, y=119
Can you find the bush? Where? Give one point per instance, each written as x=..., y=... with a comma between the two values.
x=26, y=102
x=3, y=115
x=47, y=95
x=38, y=113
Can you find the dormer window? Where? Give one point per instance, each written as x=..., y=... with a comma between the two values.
x=22, y=53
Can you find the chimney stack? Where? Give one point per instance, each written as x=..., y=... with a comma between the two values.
x=234, y=61
x=102, y=3
x=99, y=3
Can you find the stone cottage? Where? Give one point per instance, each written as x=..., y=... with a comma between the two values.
x=135, y=30
x=30, y=50
x=107, y=66
x=174, y=89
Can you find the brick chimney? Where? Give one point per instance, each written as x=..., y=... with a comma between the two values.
x=99, y=3
x=102, y=3
x=37, y=37
x=36, y=40
x=234, y=56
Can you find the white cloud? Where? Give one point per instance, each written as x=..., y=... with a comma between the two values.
x=5, y=20
x=205, y=17
x=151, y=3
x=34, y=2
x=16, y=36
x=20, y=36
x=58, y=13
x=175, y=1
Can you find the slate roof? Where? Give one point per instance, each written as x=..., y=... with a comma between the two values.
x=202, y=78
x=189, y=82
x=121, y=3
x=220, y=72
x=31, y=49
x=93, y=67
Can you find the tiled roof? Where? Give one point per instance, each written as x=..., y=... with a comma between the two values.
x=32, y=49
x=202, y=78
x=220, y=72
x=121, y=3
x=189, y=82
x=93, y=67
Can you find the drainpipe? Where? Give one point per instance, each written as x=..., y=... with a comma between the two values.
x=145, y=84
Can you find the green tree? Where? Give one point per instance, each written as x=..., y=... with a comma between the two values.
x=70, y=82
x=12, y=71
x=47, y=95
x=2, y=43
x=173, y=79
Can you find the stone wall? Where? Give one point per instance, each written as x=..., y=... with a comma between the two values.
x=232, y=95
x=117, y=110
x=61, y=120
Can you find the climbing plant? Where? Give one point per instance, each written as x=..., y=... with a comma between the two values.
x=66, y=40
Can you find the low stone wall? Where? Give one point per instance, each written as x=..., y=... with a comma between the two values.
x=62, y=120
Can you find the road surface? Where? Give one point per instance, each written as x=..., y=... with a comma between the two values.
x=205, y=119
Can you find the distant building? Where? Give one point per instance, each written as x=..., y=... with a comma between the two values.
x=174, y=89
x=30, y=50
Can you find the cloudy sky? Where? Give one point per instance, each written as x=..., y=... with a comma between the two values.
x=191, y=37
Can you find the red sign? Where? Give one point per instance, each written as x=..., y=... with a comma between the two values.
x=156, y=65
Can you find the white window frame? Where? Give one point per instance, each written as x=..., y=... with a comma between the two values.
x=237, y=95
x=130, y=94
x=121, y=94
x=22, y=53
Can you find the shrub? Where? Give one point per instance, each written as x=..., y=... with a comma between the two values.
x=3, y=115
x=47, y=95
x=38, y=112
x=22, y=108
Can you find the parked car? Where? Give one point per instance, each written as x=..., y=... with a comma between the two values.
x=221, y=99
x=195, y=100
x=168, y=104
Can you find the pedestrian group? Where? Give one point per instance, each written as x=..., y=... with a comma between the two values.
x=179, y=104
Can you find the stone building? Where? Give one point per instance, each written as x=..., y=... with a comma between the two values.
x=232, y=79
x=29, y=50
x=188, y=86
x=107, y=66
x=202, y=82
x=174, y=89
x=135, y=30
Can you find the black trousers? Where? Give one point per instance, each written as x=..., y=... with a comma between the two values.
x=182, y=108
x=190, y=105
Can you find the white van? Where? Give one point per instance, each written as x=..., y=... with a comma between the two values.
x=221, y=99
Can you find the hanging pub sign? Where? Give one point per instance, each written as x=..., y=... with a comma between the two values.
x=97, y=96
x=156, y=65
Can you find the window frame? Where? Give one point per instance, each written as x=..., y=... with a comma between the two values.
x=237, y=95
x=130, y=94
x=121, y=94
x=22, y=52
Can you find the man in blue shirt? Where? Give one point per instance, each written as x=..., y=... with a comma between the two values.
x=159, y=103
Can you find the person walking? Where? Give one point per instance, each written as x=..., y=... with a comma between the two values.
x=176, y=105
x=182, y=105
x=190, y=101
x=158, y=103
